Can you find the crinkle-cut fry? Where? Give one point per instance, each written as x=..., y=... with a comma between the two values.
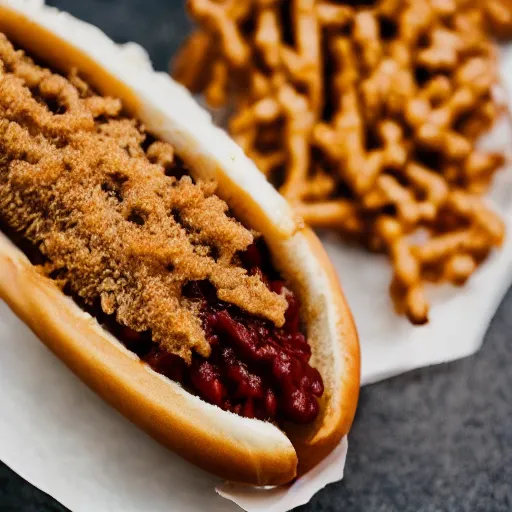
x=192, y=64
x=433, y=185
x=307, y=30
x=480, y=120
x=394, y=146
x=389, y=8
x=361, y=171
x=304, y=61
x=268, y=35
x=239, y=11
x=458, y=268
x=415, y=19
x=366, y=37
x=259, y=85
x=216, y=93
x=340, y=214
x=388, y=229
x=443, y=52
x=388, y=191
x=216, y=18
x=484, y=218
x=470, y=24
x=434, y=126
x=437, y=90
x=439, y=247
x=334, y=16
x=461, y=101
x=345, y=142
x=449, y=142
x=360, y=168
x=263, y=111
x=416, y=305
x=499, y=17
x=480, y=165
x=417, y=111
x=406, y=265
x=386, y=90
x=401, y=53
x=347, y=72
x=406, y=287
x=402, y=86
x=404, y=78
x=336, y=144
x=327, y=140
x=299, y=122
x=318, y=187
x=418, y=107
x=479, y=187
x=444, y=7
x=477, y=74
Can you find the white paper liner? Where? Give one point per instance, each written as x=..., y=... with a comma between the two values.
x=281, y=499
x=62, y=438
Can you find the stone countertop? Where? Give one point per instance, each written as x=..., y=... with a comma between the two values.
x=436, y=439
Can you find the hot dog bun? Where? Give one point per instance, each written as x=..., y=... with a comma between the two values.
x=235, y=448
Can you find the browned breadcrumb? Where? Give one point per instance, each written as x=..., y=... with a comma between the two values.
x=110, y=210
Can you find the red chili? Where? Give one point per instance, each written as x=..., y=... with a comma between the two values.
x=255, y=369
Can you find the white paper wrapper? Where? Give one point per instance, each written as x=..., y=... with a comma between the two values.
x=281, y=499
x=61, y=437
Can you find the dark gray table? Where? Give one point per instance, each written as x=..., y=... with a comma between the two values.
x=434, y=439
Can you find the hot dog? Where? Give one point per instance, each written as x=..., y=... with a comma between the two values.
x=149, y=254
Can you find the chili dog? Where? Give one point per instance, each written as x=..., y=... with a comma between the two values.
x=149, y=254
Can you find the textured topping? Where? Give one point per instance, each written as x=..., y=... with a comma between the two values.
x=255, y=369
x=115, y=214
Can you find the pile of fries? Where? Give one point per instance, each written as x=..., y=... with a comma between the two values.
x=366, y=116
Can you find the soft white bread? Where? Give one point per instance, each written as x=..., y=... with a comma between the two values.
x=235, y=448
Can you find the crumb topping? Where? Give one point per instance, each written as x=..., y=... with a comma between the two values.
x=114, y=212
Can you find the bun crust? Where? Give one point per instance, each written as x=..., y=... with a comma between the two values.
x=235, y=448
x=314, y=446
